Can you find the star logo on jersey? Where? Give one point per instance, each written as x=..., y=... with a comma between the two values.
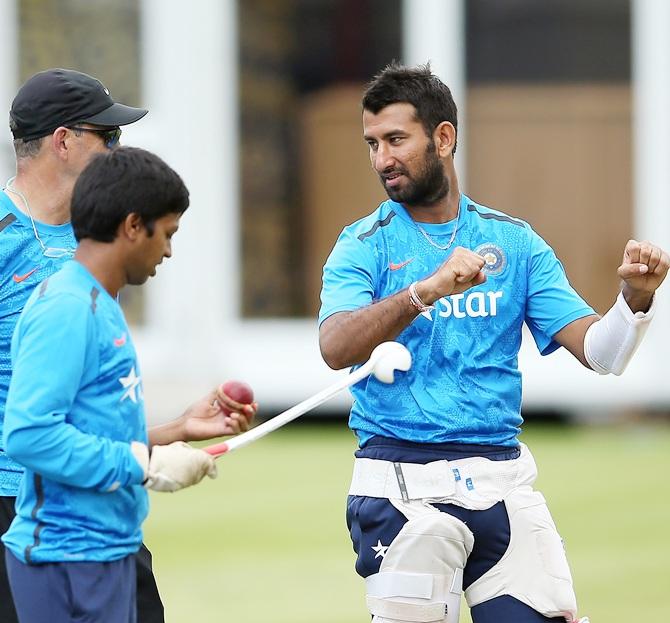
x=20, y=278
x=426, y=314
x=379, y=549
x=131, y=384
x=394, y=266
x=494, y=258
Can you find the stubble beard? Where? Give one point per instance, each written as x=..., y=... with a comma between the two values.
x=429, y=186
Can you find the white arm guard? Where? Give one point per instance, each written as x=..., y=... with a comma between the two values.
x=611, y=342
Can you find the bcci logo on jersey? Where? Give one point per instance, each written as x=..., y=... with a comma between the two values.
x=494, y=258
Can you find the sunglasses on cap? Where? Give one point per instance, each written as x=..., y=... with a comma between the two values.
x=110, y=136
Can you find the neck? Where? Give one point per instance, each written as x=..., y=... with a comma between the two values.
x=442, y=211
x=40, y=193
x=102, y=261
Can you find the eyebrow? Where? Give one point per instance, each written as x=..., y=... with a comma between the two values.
x=386, y=135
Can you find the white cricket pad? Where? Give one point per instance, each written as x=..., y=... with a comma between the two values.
x=611, y=342
x=420, y=579
x=435, y=545
x=534, y=569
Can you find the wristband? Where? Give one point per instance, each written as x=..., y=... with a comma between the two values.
x=415, y=299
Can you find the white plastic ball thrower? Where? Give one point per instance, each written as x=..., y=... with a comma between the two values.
x=385, y=360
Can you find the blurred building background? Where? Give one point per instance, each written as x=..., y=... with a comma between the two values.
x=563, y=122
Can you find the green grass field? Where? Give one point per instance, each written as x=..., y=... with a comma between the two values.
x=267, y=541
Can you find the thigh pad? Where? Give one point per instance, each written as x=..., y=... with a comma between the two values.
x=534, y=569
x=420, y=577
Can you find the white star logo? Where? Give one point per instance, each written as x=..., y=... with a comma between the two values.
x=132, y=385
x=379, y=549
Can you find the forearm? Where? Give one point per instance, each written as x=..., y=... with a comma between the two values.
x=636, y=300
x=65, y=454
x=164, y=434
x=611, y=342
x=348, y=338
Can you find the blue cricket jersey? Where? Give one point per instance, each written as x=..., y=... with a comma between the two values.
x=22, y=267
x=464, y=385
x=74, y=405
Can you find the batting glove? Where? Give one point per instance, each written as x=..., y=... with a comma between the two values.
x=173, y=467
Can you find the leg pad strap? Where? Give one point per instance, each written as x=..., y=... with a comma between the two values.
x=399, y=611
x=385, y=585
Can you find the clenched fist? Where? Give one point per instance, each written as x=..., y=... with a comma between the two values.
x=643, y=269
x=462, y=271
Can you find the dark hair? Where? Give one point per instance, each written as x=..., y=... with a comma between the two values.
x=119, y=182
x=397, y=84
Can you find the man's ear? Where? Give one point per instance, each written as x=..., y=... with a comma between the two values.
x=58, y=142
x=132, y=226
x=445, y=139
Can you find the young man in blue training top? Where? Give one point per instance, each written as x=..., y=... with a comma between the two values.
x=74, y=416
x=60, y=118
x=441, y=498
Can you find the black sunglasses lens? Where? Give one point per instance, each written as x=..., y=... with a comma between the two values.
x=112, y=137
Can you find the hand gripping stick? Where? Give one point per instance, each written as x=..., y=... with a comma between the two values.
x=384, y=360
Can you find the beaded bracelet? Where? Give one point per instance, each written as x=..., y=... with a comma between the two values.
x=415, y=299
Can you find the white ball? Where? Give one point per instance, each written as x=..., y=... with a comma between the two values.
x=389, y=357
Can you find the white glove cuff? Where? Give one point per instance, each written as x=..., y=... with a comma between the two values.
x=141, y=453
x=611, y=342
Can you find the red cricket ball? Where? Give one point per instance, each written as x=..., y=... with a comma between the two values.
x=239, y=391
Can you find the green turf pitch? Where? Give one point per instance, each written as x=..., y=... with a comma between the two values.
x=267, y=541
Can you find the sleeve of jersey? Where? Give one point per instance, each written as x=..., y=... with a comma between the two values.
x=349, y=276
x=552, y=302
x=50, y=356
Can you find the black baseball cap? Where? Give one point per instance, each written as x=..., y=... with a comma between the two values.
x=62, y=97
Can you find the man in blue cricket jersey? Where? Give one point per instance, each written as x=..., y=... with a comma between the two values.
x=442, y=495
x=74, y=416
x=59, y=119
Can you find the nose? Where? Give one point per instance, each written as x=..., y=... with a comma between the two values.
x=382, y=158
x=168, y=249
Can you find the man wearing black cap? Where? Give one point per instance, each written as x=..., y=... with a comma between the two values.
x=60, y=119
x=62, y=97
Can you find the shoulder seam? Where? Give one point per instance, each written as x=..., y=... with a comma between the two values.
x=495, y=217
x=7, y=221
x=376, y=226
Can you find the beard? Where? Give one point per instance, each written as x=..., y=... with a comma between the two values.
x=427, y=188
